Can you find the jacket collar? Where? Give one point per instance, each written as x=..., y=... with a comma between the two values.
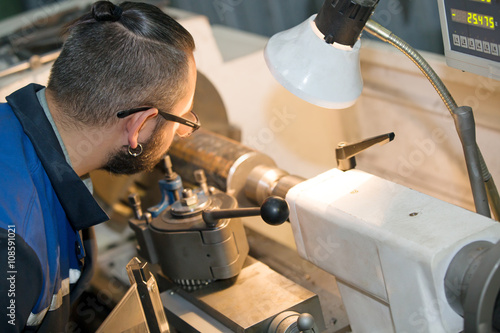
x=80, y=206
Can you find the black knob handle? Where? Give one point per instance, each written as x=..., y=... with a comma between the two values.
x=274, y=211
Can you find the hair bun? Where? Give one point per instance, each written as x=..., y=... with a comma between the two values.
x=106, y=11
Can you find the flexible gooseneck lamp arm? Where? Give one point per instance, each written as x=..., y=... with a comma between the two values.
x=479, y=176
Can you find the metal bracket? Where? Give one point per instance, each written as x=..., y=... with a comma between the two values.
x=141, y=309
x=345, y=152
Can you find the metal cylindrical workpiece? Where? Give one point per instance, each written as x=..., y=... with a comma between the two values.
x=226, y=163
x=265, y=181
x=247, y=174
x=285, y=184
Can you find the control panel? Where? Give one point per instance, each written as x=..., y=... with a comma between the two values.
x=471, y=35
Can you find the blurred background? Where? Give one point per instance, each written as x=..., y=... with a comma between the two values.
x=417, y=22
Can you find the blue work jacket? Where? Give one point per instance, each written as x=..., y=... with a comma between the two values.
x=43, y=205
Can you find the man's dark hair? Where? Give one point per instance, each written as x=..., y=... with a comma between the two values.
x=120, y=57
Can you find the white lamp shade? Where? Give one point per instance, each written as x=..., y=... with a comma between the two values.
x=320, y=73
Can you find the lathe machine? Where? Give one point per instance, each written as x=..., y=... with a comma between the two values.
x=404, y=261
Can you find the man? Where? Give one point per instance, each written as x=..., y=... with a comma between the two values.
x=126, y=74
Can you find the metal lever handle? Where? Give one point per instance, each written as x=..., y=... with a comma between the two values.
x=135, y=202
x=345, y=152
x=274, y=211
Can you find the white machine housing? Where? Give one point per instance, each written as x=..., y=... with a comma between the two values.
x=388, y=246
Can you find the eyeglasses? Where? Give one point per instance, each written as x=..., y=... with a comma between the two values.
x=187, y=126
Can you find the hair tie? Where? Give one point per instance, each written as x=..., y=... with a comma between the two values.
x=117, y=12
x=106, y=11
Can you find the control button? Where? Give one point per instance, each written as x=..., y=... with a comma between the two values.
x=472, y=43
x=463, y=41
x=494, y=49
x=486, y=47
x=456, y=40
x=479, y=45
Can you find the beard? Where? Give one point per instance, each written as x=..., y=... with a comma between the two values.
x=122, y=163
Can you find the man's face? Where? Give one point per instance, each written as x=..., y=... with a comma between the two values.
x=155, y=148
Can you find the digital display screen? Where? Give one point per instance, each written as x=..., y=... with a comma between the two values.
x=472, y=35
x=474, y=19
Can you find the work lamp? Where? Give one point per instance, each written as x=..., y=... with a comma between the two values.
x=318, y=60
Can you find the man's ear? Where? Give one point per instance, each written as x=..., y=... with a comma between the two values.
x=137, y=122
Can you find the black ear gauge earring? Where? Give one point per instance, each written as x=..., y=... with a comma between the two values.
x=135, y=151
